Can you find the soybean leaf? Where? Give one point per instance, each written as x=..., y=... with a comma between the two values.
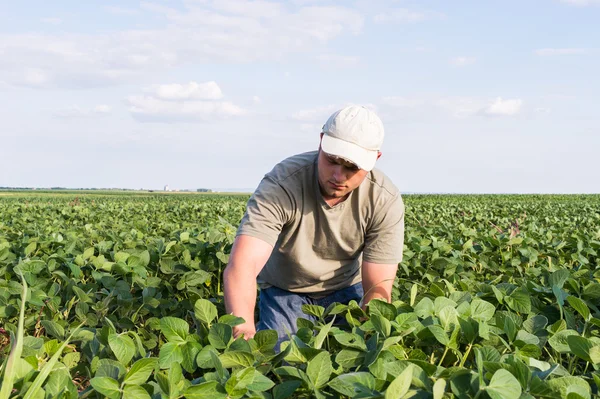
x=503, y=385
x=319, y=369
x=174, y=329
x=205, y=311
x=401, y=384
x=122, y=346
x=135, y=392
x=140, y=371
x=106, y=386
x=205, y=390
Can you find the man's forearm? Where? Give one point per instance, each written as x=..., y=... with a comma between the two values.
x=240, y=293
x=377, y=281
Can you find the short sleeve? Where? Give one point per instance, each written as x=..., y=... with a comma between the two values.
x=268, y=210
x=384, y=239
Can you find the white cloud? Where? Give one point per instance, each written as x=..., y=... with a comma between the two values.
x=75, y=111
x=183, y=102
x=190, y=91
x=256, y=100
x=52, y=20
x=233, y=31
x=560, y=51
x=151, y=109
x=502, y=107
x=458, y=107
x=404, y=15
x=462, y=61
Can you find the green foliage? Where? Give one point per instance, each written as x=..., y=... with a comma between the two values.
x=497, y=296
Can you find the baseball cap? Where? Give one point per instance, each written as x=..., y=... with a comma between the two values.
x=354, y=133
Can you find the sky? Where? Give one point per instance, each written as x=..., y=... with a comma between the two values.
x=475, y=96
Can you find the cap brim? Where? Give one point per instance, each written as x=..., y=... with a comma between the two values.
x=364, y=159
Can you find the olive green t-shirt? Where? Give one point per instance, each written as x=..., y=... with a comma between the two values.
x=319, y=248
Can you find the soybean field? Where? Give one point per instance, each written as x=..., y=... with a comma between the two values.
x=121, y=296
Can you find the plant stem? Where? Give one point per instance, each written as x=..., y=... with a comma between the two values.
x=464, y=359
x=443, y=356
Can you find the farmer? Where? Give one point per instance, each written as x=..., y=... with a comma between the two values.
x=321, y=227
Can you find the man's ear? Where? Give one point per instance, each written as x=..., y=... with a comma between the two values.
x=378, y=154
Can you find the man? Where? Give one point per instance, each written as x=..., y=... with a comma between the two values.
x=321, y=227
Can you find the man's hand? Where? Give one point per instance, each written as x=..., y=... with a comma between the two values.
x=247, y=330
x=248, y=257
x=378, y=280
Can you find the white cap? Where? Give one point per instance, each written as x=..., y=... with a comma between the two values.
x=354, y=133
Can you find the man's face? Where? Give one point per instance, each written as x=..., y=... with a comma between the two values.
x=337, y=176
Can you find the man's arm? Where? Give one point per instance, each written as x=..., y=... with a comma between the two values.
x=248, y=257
x=377, y=281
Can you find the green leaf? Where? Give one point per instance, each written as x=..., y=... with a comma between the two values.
x=313, y=310
x=106, y=386
x=503, y=385
x=236, y=385
x=110, y=368
x=401, y=384
x=519, y=301
x=482, y=310
x=559, y=340
x=424, y=308
x=122, y=346
x=383, y=308
x=205, y=311
x=220, y=335
x=580, y=306
x=236, y=358
x=381, y=324
x=54, y=329
x=565, y=385
x=320, y=338
x=319, y=369
x=286, y=389
x=439, y=388
x=260, y=383
x=30, y=248
x=580, y=347
x=413, y=294
x=265, y=340
x=169, y=353
x=140, y=371
x=135, y=392
x=353, y=383
x=231, y=320
x=558, y=278
x=535, y=324
x=190, y=351
x=439, y=334
x=174, y=329
x=205, y=390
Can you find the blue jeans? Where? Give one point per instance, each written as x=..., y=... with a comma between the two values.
x=279, y=309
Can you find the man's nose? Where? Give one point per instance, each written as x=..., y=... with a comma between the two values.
x=338, y=174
